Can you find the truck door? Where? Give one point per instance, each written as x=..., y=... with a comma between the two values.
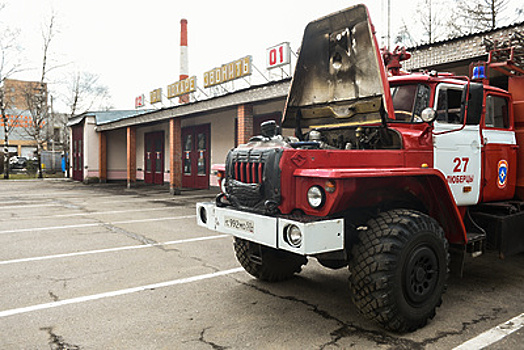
x=499, y=156
x=457, y=147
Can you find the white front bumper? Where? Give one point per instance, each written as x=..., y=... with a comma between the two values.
x=317, y=237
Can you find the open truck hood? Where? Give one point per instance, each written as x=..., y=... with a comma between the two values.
x=339, y=77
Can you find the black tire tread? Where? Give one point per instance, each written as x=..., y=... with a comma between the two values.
x=373, y=263
x=275, y=266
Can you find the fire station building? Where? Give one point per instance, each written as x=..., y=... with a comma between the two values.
x=174, y=145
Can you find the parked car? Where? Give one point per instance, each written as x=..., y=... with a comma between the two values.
x=17, y=162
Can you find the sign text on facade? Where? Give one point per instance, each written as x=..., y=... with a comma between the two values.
x=278, y=55
x=155, y=95
x=227, y=72
x=140, y=101
x=181, y=87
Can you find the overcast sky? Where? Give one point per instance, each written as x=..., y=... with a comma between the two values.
x=134, y=45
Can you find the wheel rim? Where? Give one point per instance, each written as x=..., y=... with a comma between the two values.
x=421, y=275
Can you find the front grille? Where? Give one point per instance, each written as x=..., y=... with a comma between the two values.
x=253, y=178
x=250, y=173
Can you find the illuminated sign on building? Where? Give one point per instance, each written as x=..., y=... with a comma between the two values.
x=278, y=56
x=228, y=72
x=181, y=87
x=140, y=101
x=156, y=95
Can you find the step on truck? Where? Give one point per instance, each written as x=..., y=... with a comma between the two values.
x=397, y=176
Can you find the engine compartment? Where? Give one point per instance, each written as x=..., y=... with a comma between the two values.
x=361, y=137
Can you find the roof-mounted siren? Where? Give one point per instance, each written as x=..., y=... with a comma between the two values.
x=392, y=59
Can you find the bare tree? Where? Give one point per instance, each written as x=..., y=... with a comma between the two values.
x=404, y=36
x=10, y=64
x=83, y=92
x=476, y=15
x=431, y=20
x=37, y=99
x=426, y=25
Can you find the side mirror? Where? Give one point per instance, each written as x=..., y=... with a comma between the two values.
x=428, y=115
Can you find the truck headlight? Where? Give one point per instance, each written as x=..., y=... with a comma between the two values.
x=293, y=236
x=316, y=197
x=222, y=181
x=223, y=185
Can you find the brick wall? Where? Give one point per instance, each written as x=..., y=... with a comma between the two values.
x=131, y=156
x=245, y=123
x=455, y=50
x=102, y=153
x=175, y=151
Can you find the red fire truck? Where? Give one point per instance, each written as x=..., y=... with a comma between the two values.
x=396, y=176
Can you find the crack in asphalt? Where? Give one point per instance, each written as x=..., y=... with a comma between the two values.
x=67, y=204
x=347, y=330
x=57, y=342
x=207, y=342
x=201, y=261
x=135, y=236
x=53, y=296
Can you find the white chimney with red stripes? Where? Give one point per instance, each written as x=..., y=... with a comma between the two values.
x=184, y=65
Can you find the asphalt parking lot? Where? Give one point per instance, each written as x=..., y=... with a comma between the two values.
x=104, y=267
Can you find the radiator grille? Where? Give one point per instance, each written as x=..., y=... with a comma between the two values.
x=253, y=178
x=248, y=172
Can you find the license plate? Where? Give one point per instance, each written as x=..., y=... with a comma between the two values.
x=239, y=224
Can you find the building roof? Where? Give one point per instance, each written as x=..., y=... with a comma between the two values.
x=485, y=33
x=105, y=117
x=460, y=49
x=265, y=92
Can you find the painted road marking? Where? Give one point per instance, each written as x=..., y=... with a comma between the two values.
x=118, y=200
x=106, y=199
x=493, y=335
x=109, y=250
x=96, y=224
x=94, y=213
x=116, y=293
x=107, y=212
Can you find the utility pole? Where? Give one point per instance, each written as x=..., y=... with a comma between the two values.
x=389, y=24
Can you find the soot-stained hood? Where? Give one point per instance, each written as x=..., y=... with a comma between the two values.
x=339, y=77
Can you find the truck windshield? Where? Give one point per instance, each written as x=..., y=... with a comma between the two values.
x=409, y=100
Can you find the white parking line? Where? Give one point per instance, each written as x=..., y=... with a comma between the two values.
x=89, y=213
x=109, y=250
x=86, y=298
x=4, y=207
x=95, y=224
x=493, y=335
x=107, y=212
x=45, y=201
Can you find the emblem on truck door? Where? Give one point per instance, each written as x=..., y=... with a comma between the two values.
x=503, y=174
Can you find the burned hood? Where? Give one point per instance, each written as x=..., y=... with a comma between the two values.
x=339, y=77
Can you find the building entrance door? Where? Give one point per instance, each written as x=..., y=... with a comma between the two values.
x=78, y=153
x=154, y=158
x=195, y=156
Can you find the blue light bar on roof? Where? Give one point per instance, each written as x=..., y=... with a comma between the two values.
x=479, y=72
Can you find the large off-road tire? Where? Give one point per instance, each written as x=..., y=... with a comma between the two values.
x=266, y=263
x=399, y=269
